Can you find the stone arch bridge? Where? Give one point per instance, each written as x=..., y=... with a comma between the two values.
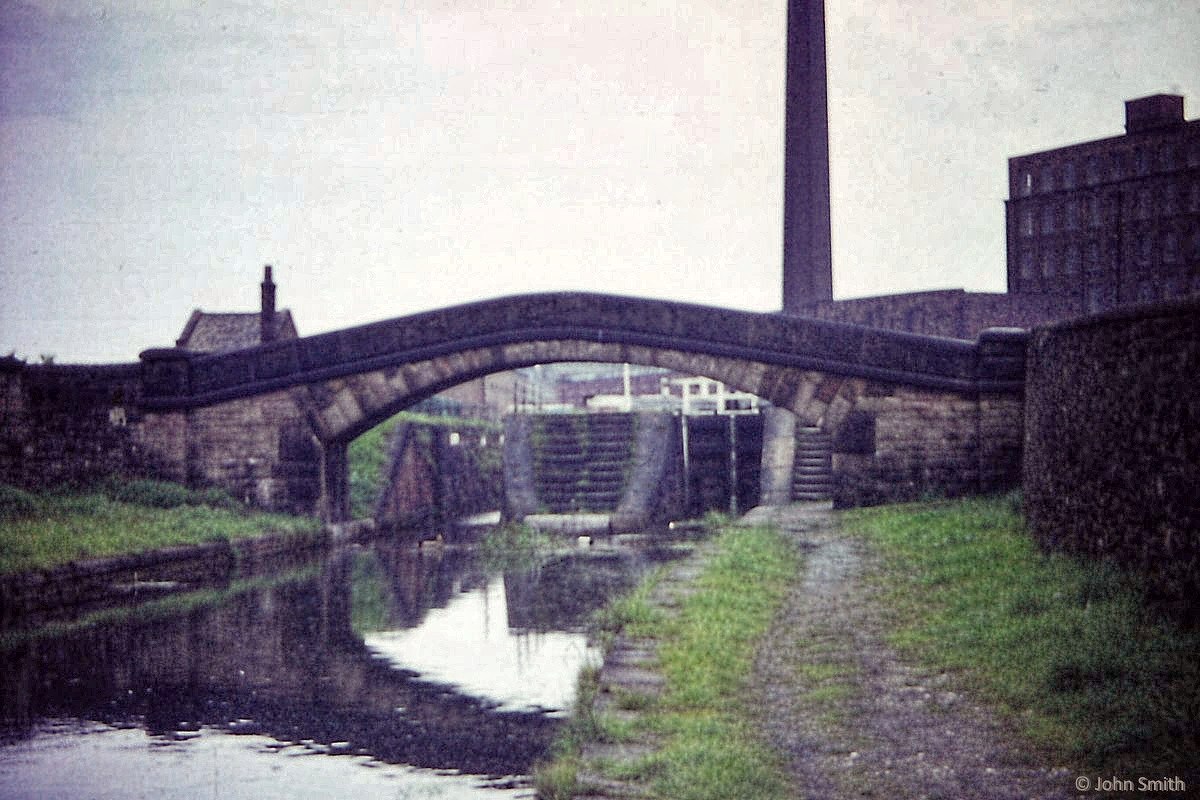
x=910, y=415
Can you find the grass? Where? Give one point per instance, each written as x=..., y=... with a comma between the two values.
x=1067, y=650
x=703, y=722
x=369, y=454
x=368, y=458
x=55, y=528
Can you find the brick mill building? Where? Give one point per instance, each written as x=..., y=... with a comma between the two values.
x=1090, y=227
x=1110, y=222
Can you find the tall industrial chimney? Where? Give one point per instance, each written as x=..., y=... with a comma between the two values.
x=807, y=251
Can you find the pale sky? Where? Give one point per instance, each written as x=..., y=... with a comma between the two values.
x=389, y=158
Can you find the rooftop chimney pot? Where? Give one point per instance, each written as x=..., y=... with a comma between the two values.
x=266, y=322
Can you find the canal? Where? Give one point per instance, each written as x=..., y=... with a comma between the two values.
x=373, y=671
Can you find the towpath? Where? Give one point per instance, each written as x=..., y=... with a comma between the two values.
x=852, y=718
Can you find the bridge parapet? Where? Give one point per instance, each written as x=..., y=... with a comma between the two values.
x=174, y=379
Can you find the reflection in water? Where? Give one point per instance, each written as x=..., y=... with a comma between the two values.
x=422, y=674
x=469, y=645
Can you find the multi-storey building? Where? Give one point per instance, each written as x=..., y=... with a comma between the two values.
x=1110, y=222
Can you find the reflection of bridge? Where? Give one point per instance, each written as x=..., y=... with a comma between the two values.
x=913, y=413
x=282, y=661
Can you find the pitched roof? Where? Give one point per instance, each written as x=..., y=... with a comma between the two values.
x=219, y=333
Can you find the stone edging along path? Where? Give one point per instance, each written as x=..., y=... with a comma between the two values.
x=630, y=668
x=849, y=717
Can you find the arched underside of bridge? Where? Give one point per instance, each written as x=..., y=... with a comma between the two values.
x=925, y=393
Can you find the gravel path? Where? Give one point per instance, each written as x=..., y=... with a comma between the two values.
x=853, y=719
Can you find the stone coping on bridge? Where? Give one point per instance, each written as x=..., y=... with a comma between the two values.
x=174, y=378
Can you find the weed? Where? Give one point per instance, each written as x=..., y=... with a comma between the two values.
x=555, y=780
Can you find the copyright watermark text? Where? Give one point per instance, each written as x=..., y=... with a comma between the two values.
x=1087, y=783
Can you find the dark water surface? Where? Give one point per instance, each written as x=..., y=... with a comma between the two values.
x=377, y=671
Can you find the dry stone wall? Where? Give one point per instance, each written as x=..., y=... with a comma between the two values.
x=1112, y=442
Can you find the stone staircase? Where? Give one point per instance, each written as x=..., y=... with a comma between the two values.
x=581, y=461
x=812, y=473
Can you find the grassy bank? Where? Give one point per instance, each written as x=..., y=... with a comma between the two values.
x=40, y=531
x=1067, y=650
x=705, y=742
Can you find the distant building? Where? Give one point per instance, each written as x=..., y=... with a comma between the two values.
x=207, y=332
x=1092, y=226
x=641, y=388
x=222, y=332
x=1110, y=222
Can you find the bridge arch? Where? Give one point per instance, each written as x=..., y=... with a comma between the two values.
x=347, y=381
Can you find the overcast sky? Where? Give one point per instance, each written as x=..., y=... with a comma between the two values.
x=391, y=157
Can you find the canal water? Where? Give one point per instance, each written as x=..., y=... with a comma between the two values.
x=376, y=671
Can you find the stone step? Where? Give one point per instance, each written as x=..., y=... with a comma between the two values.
x=812, y=478
x=582, y=480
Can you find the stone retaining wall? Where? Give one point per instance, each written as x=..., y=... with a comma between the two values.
x=438, y=473
x=1112, y=441
x=71, y=424
x=95, y=582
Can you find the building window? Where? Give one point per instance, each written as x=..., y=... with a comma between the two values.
x=1170, y=247
x=1026, y=183
x=1145, y=251
x=1142, y=210
x=1069, y=177
x=1170, y=203
x=1193, y=153
x=1168, y=157
x=1146, y=292
x=1026, y=263
x=1092, y=170
x=1072, y=215
x=1073, y=258
x=1099, y=297
x=1026, y=223
x=1046, y=182
x=1049, y=262
x=1117, y=166
x=1048, y=218
x=1141, y=161
x=1093, y=256
x=1194, y=197
x=1095, y=215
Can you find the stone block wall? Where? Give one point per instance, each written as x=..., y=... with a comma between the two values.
x=439, y=473
x=900, y=444
x=1112, y=442
x=950, y=312
x=260, y=449
x=76, y=424
x=654, y=491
